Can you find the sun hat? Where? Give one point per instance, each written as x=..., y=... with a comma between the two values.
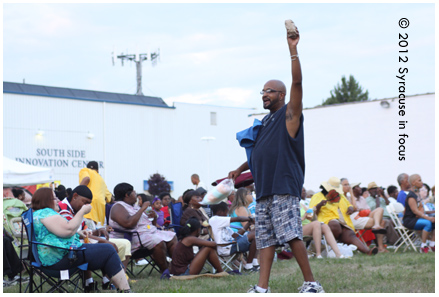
x=353, y=185
x=333, y=184
x=372, y=185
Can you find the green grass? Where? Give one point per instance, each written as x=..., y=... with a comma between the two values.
x=407, y=272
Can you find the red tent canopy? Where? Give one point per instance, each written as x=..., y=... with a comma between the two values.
x=245, y=179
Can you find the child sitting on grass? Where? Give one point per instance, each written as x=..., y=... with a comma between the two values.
x=184, y=262
x=243, y=240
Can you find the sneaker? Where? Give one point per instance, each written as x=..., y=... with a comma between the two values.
x=166, y=274
x=319, y=257
x=9, y=283
x=253, y=269
x=108, y=286
x=234, y=272
x=142, y=262
x=432, y=248
x=309, y=287
x=125, y=291
x=24, y=279
x=253, y=290
x=424, y=249
x=91, y=288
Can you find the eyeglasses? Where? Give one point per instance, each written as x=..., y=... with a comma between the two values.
x=268, y=91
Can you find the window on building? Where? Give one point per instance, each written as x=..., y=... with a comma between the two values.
x=213, y=118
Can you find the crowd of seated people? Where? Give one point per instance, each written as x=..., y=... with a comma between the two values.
x=337, y=211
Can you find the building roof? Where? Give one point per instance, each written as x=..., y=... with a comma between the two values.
x=67, y=93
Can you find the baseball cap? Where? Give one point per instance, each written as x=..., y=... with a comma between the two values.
x=93, y=165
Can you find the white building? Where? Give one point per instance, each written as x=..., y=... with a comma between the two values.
x=132, y=136
x=360, y=141
x=136, y=136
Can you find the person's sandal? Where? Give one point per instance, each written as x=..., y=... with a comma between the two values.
x=379, y=231
x=372, y=252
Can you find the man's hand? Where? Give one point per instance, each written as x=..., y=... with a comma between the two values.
x=293, y=39
x=234, y=174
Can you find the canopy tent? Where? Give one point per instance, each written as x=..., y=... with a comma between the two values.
x=20, y=174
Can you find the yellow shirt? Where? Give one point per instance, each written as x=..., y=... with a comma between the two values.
x=101, y=195
x=330, y=210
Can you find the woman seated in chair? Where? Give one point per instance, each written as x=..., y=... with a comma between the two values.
x=192, y=208
x=53, y=229
x=316, y=229
x=333, y=209
x=184, y=262
x=364, y=218
x=128, y=216
x=414, y=216
x=238, y=208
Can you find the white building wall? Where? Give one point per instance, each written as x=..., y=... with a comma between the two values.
x=359, y=141
x=132, y=141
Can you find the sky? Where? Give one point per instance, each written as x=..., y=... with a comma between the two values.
x=219, y=54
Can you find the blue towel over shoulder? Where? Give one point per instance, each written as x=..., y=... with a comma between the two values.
x=247, y=138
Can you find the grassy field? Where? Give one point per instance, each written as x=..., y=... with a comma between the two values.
x=407, y=272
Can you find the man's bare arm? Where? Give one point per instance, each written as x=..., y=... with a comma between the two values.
x=294, y=107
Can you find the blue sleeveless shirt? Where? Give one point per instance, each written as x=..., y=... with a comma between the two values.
x=278, y=160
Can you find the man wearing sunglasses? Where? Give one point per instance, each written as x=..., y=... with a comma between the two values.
x=278, y=165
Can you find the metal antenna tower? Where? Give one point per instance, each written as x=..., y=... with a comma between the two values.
x=138, y=59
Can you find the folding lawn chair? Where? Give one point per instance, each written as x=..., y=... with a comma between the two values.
x=47, y=276
x=175, y=212
x=309, y=239
x=12, y=210
x=141, y=253
x=407, y=236
x=228, y=263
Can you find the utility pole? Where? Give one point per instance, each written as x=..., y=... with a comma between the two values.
x=138, y=59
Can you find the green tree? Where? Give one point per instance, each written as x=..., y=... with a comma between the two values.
x=157, y=184
x=348, y=91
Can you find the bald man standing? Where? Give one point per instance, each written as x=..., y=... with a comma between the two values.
x=277, y=163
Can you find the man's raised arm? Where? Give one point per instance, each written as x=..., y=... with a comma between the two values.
x=294, y=108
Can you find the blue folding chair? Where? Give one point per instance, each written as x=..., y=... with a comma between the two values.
x=34, y=267
x=175, y=211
